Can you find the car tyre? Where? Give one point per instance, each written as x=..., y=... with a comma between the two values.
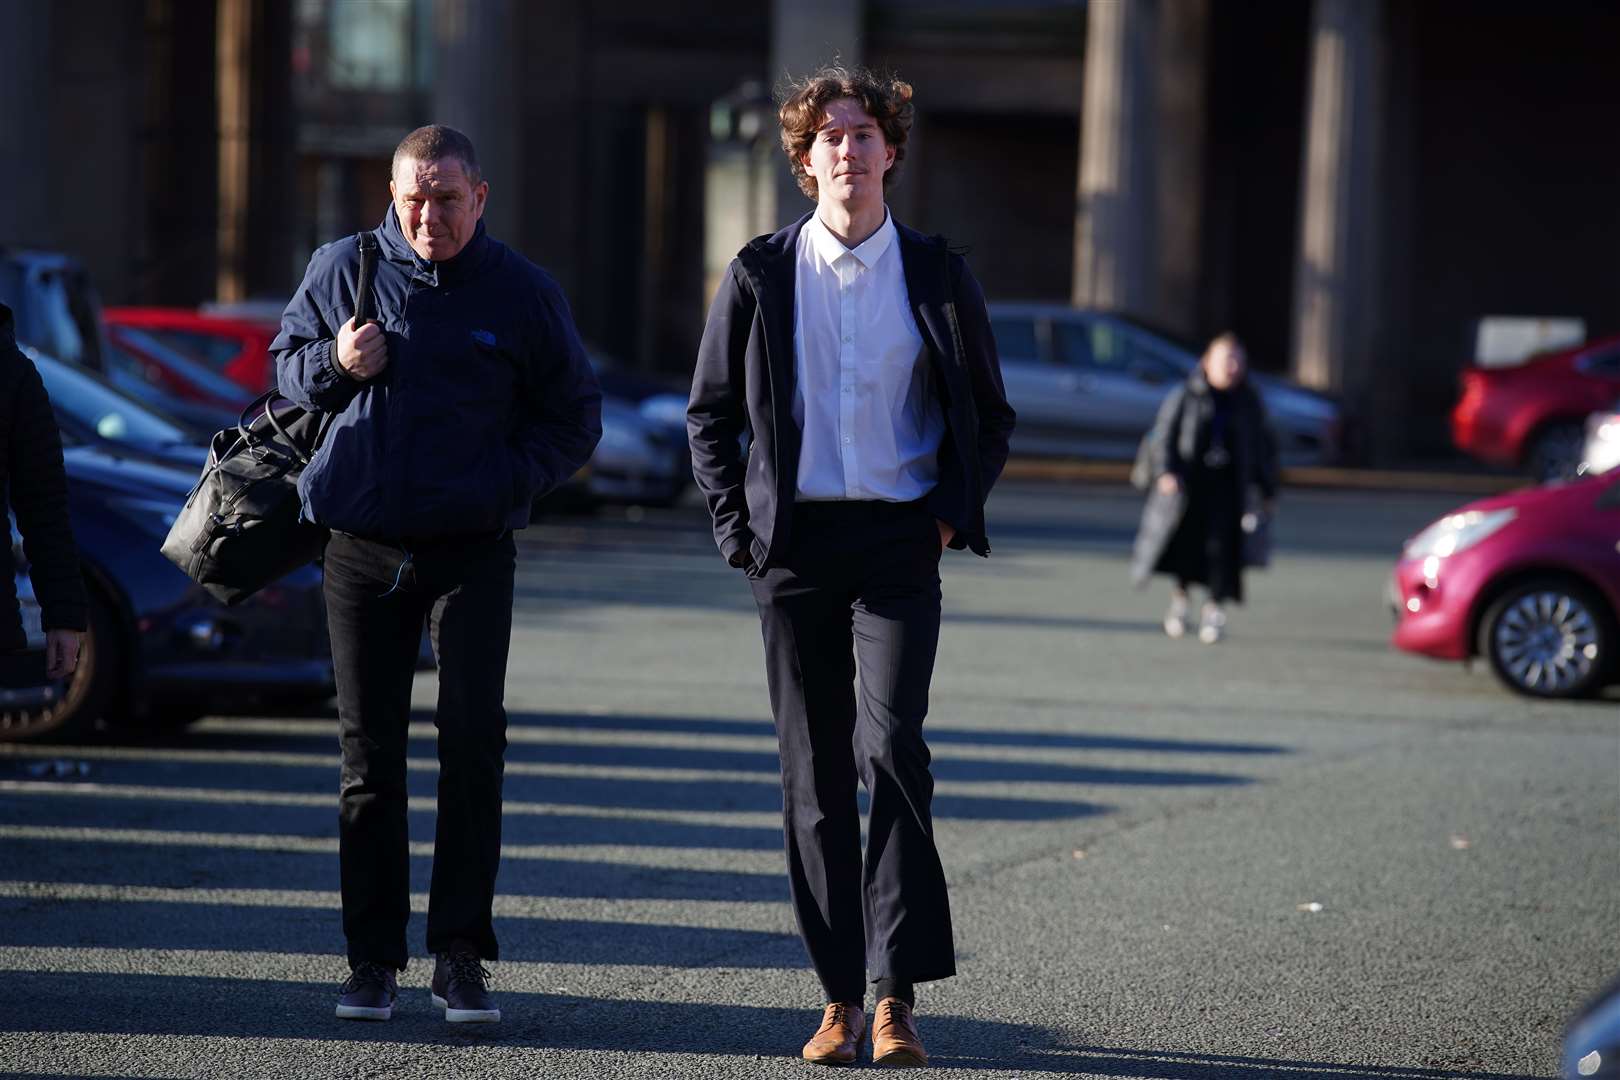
x=1549, y=637
x=87, y=694
x=1555, y=452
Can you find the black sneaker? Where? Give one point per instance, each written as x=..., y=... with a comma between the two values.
x=460, y=987
x=369, y=993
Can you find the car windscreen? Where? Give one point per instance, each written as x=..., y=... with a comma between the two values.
x=181, y=363
x=110, y=413
x=215, y=350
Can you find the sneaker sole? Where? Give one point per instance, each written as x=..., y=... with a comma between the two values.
x=467, y=1016
x=364, y=1012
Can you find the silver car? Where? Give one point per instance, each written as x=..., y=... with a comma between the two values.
x=1088, y=384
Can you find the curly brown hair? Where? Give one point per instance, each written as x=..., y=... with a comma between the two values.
x=885, y=97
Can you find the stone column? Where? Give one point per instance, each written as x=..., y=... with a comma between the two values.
x=233, y=53
x=1139, y=206
x=1115, y=203
x=475, y=92
x=1337, y=317
x=1181, y=132
x=803, y=37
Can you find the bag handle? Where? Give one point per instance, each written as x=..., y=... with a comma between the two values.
x=363, y=312
x=364, y=308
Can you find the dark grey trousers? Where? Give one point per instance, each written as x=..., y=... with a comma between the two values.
x=851, y=625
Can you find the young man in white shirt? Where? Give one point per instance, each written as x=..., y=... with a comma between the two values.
x=858, y=354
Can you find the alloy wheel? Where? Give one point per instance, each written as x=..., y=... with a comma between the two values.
x=1546, y=642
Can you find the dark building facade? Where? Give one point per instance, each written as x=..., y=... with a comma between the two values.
x=1348, y=184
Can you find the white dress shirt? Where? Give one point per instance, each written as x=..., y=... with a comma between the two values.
x=864, y=397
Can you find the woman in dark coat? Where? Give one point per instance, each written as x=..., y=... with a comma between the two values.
x=1211, y=472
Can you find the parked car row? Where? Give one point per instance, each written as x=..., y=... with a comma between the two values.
x=138, y=393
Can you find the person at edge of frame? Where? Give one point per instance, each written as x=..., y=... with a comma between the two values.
x=469, y=396
x=1212, y=469
x=859, y=354
x=36, y=491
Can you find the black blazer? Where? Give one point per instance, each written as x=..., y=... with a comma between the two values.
x=32, y=474
x=745, y=380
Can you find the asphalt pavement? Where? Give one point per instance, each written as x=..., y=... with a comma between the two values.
x=1296, y=853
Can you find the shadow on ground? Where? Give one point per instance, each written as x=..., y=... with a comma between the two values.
x=165, y=1005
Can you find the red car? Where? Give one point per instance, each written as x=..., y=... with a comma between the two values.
x=237, y=348
x=1534, y=415
x=1530, y=580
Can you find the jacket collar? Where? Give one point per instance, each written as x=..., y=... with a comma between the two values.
x=771, y=259
x=8, y=332
x=463, y=265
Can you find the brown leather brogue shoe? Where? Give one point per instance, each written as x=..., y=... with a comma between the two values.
x=895, y=1041
x=839, y=1038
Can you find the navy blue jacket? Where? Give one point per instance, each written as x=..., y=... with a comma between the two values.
x=487, y=401
x=744, y=379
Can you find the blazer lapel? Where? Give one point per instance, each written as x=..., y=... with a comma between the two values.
x=776, y=265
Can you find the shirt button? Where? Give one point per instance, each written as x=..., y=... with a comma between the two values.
x=848, y=339
x=848, y=439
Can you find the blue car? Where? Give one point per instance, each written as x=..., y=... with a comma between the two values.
x=160, y=651
x=91, y=411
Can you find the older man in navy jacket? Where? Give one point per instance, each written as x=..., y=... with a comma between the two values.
x=466, y=398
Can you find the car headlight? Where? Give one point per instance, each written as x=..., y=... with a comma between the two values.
x=1457, y=532
x=152, y=516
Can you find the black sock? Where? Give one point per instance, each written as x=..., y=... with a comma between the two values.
x=900, y=988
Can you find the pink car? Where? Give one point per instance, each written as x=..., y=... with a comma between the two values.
x=1530, y=580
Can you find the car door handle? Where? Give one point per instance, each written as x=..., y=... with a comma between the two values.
x=1083, y=384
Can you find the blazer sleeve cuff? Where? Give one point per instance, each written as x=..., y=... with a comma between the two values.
x=65, y=617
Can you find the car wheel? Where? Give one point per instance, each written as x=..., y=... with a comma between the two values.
x=1555, y=452
x=86, y=694
x=1550, y=638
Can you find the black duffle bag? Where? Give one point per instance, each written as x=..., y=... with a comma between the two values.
x=241, y=526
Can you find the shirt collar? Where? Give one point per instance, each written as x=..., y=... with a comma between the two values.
x=867, y=252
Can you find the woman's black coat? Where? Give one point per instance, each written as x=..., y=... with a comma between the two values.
x=1181, y=429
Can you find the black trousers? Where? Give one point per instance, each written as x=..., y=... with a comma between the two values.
x=377, y=597
x=851, y=625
